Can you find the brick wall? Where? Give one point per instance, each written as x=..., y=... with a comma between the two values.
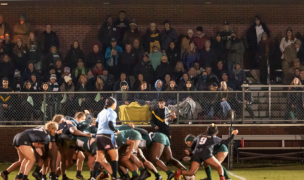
x=8, y=152
x=79, y=21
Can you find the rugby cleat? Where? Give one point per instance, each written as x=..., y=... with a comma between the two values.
x=144, y=174
x=171, y=175
x=159, y=178
x=4, y=176
x=66, y=178
x=80, y=177
x=37, y=175
x=102, y=176
x=149, y=174
x=136, y=178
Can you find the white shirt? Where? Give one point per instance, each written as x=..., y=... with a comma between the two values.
x=259, y=30
x=284, y=44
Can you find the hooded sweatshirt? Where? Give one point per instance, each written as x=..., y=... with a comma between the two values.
x=158, y=89
x=155, y=59
x=73, y=55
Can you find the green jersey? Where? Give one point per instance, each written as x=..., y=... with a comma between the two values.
x=123, y=136
x=84, y=144
x=156, y=137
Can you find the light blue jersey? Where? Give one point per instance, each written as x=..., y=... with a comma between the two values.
x=103, y=119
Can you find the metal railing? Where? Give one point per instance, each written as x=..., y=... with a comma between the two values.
x=271, y=104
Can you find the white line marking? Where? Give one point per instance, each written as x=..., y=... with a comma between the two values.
x=241, y=178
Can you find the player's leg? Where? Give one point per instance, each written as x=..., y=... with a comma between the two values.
x=192, y=171
x=28, y=153
x=207, y=171
x=36, y=174
x=220, y=156
x=113, y=153
x=53, y=153
x=13, y=167
x=216, y=165
x=124, y=162
x=22, y=168
x=101, y=161
x=80, y=160
x=91, y=161
x=171, y=160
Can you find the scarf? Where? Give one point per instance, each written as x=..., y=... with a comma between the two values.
x=236, y=72
x=82, y=71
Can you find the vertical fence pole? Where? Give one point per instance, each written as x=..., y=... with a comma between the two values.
x=230, y=147
x=243, y=111
x=177, y=108
x=44, y=108
x=269, y=107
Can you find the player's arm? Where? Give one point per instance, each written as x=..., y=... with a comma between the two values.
x=76, y=132
x=131, y=146
x=193, y=144
x=221, y=141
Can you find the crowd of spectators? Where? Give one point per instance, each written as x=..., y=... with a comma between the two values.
x=127, y=59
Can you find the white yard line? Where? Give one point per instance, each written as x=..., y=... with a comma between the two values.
x=241, y=178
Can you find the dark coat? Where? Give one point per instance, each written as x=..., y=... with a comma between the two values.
x=162, y=70
x=220, y=50
x=148, y=39
x=252, y=36
x=146, y=69
x=105, y=34
x=7, y=69
x=48, y=40
x=167, y=36
x=93, y=57
x=127, y=62
x=208, y=58
x=129, y=36
x=73, y=55
x=8, y=48
x=50, y=58
x=300, y=55
x=173, y=56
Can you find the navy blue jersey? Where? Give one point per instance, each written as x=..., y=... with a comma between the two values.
x=38, y=134
x=65, y=128
x=208, y=142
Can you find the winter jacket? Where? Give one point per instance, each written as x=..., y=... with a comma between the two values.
x=163, y=69
x=106, y=33
x=123, y=97
x=26, y=75
x=109, y=81
x=265, y=50
x=220, y=50
x=20, y=59
x=129, y=36
x=22, y=31
x=178, y=76
x=284, y=44
x=73, y=55
x=66, y=88
x=122, y=27
x=236, y=50
x=139, y=53
x=201, y=85
x=93, y=57
x=155, y=88
x=208, y=58
x=50, y=58
x=155, y=59
x=127, y=62
x=166, y=37
x=117, y=85
x=77, y=72
x=96, y=72
x=173, y=56
x=188, y=59
x=34, y=52
x=8, y=48
x=200, y=41
x=300, y=54
x=7, y=69
x=146, y=69
x=115, y=58
x=252, y=35
x=160, y=119
x=151, y=39
x=47, y=40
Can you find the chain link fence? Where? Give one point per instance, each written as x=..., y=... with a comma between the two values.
x=191, y=107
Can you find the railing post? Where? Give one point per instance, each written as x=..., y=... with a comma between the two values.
x=177, y=108
x=269, y=107
x=243, y=116
x=44, y=108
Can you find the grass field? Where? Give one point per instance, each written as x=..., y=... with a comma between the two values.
x=242, y=172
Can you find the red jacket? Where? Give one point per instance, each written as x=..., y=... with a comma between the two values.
x=96, y=72
x=200, y=41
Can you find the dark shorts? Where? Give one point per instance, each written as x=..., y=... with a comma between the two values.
x=104, y=142
x=219, y=148
x=200, y=155
x=93, y=149
x=22, y=140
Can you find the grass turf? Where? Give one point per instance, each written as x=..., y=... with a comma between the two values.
x=286, y=172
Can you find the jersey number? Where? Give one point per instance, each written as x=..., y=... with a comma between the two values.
x=203, y=140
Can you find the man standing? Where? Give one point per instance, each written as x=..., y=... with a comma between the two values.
x=48, y=39
x=146, y=69
x=128, y=61
x=200, y=38
x=122, y=25
x=226, y=33
x=167, y=36
x=161, y=118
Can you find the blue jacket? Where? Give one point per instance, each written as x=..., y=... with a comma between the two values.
x=188, y=59
x=108, y=55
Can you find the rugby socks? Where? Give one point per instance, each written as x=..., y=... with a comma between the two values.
x=20, y=175
x=222, y=177
x=5, y=172
x=114, y=165
x=141, y=168
x=96, y=168
x=78, y=173
x=38, y=168
x=105, y=172
x=43, y=176
x=208, y=172
x=225, y=173
x=91, y=174
x=53, y=174
x=127, y=175
x=168, y=172
x=157, y=174
x=134, y=173
x=24, y=177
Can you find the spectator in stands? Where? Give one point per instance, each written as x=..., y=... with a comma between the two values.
x=219, y=70
x=172, y=86
x=231, y=83
x=173, y=54
x=128, y=61
x=226, y=33
x=34, y=51
x=186, y=41
x=16, y=85
x=7, y=68
x=247, y=102
x=7, y=45
x=67, y=72
x=108, y=31
x=108, y=79
x=294, y=101
x=27, y=101
x=254, y=36
x=83, y=101
x=123, y=98
x=239, y=77
x=100, y=98
x=100, y=85
x=200, y=38
x=22, y=29
x=219, y=46
x=151, y=38
x=111, y=56
x=182, y=82
x=179, y=71
x=48, y=38
x=263, y=56
x=236, y=50
x=132, y=33
x=97, y=70
x=5, y=100
x=123, y=77
x=291, y=71
x=48, y=74
x=302, y=76
x=4, y=28
x=79, y=70
x=211, y=101
x=51, y=57
x=59, y=71
x=192, y=76
x=122, y=25
x=164, y=68
x=227, y=98
x=138, y=82
x=142, y=98
x=138, y=50
x=201, y=84
x=73, y=55
x=146, y=69
x=208, y=56
x=211, y=77
x=26, y=75
x=20, y=57
x=290, y=53
x=167, y=36
x=68, y=99
x=36, y=85
x=297, y=73
x=189, y=86
x=300, y=51
x=53, y=85
x=190, y=56
x=287, y=40
x=166, y=81
x=94, y=56
x=198, y=69
x=158, y=86
x=155, y=57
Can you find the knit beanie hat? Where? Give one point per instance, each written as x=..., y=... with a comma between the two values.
x=17, y=73
x=53, y=76
x=67, y=69
x=67, y=79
